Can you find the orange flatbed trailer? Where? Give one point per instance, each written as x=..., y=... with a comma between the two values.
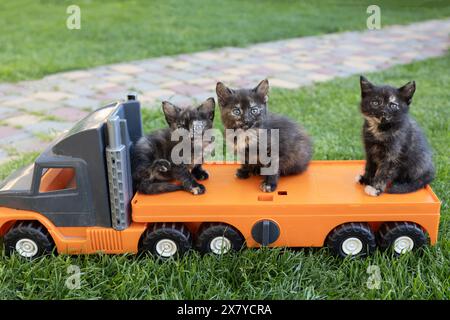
x=306, y=207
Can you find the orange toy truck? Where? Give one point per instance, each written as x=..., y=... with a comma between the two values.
x=78, y=198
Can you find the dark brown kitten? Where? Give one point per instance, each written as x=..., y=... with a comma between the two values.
x=398, y=157
x=246, y=109
x=153, y=168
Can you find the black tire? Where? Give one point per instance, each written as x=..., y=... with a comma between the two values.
x=401, y=235
x=28, y=239
x=209, y=235
x=164, y=236
x=352, y=239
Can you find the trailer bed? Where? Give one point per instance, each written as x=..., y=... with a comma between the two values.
x=324, y=183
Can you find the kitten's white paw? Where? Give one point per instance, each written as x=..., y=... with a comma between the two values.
x=358, y=178
x=371, y=191
x=267, y=187
x=199, y=189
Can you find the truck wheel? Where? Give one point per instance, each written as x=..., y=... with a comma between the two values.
x=352, y=239
x=29, y=240
x=167, y=240
x=218, y=238
x=401, y=236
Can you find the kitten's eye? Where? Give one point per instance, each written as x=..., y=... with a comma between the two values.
x=254, y=111
x=393, y=105
x=236, y=112
x=375, y=103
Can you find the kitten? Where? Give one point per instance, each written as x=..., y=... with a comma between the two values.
x=153, y=168
x=246, y=109
x=398, y=157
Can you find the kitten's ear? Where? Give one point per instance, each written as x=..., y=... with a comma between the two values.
x=366, y=85
x=407, y=91
x=170, y=112
x=223, y=93
x=263, y=89
x=207, y=107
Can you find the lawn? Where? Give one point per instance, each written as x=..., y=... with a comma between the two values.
x=34, y=40
x=330, y=113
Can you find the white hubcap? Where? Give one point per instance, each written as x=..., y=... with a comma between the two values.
x=166, y=248
x=26, y=248
x=352, y=246
x=403, y=244
x=220, y=245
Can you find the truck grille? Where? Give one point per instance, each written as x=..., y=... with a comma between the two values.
x=105, y=240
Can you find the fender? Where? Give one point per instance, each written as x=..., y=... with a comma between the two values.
x=8, y=216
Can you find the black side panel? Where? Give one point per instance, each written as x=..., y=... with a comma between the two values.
x=132, y=110
x=90, y=146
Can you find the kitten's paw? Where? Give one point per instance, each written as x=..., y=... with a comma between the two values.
x=371, y=191
x=197, y=189
x=242, y=174
x=161, y=165
x=268, y=187
x=200, y=174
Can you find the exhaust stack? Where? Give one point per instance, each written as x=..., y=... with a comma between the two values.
x=119, y=176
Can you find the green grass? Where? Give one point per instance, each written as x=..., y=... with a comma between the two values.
x=330, y=113
x=35, y=41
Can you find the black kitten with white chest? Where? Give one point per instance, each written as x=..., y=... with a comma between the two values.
x=246, y=110
x=398, y=157
x=153, y=168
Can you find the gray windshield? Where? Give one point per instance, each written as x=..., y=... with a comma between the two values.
x=20, y=180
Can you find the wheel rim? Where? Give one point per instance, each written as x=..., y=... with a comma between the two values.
x=352, y=246
x=27, y=248
x=403, y=244
x=166, y=248
x=220, y=245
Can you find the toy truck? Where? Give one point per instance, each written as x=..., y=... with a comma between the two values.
x=78, y=198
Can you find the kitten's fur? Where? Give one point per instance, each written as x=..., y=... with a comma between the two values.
x=295, y=148
x=398, y=158
x=153, y=169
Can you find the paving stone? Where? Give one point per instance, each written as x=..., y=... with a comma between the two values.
x=75, y=75
x=105, y=86
x=81, y=103
x=186, y=89
x=7, y=131
x=31, y=144
x=4, y=157
x=157, y=94
x=181, y=65
x=283, y=84
x=120, y=78
x=7, y=112
x=22, y=120
x=143, y=86
x=39, y=106
x=126, y=68
x=11, y=140
x=16, y=102
x=47, y=127
x=69, y=114
x=51, y=96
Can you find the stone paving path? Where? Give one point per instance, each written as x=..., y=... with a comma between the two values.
x=31, y=112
